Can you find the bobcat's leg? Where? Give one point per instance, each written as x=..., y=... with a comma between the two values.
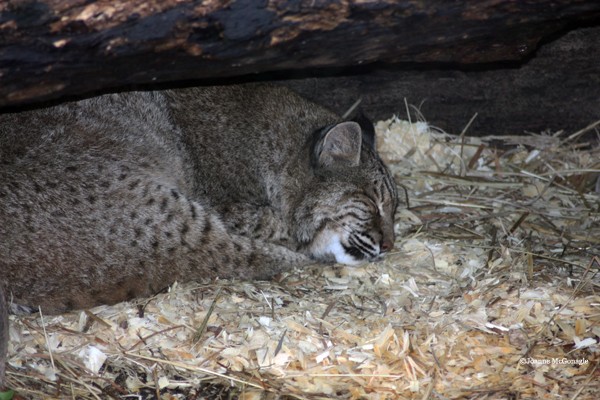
x=209, y=246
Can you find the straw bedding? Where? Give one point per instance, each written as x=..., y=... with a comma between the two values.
x=491, y=293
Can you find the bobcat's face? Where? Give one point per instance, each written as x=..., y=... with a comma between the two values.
x=356, y=225
x=352, y=200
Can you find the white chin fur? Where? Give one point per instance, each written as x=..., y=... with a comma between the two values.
x=328, y=244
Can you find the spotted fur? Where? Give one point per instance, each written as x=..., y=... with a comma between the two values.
x=116, y=197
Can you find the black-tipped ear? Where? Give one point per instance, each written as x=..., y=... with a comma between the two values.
x=340, y=146
x=368, y=130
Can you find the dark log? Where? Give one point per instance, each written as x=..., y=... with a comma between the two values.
x=558, y=89
x=52, y=48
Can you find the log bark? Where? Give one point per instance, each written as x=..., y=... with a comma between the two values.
x=54, y=48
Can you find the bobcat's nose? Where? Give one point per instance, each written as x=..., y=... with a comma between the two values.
x=385, y=246
x=388, y=237
x=387, y=241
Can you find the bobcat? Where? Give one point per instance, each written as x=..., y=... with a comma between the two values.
x=115, y=197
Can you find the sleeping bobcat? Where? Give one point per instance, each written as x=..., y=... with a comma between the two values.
x=118, y=196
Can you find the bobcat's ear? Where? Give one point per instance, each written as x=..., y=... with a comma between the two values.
x=340, y=147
